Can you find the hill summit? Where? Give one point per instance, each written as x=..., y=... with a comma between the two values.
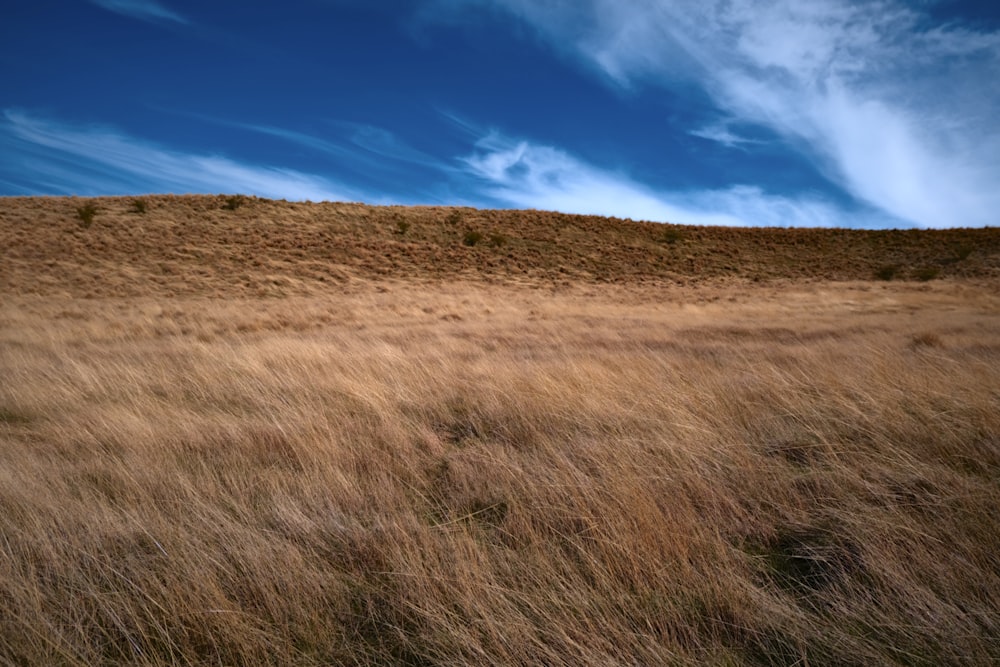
x=230, y=245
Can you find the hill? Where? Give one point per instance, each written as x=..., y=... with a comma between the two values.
x=218, y=245
x=245, y=432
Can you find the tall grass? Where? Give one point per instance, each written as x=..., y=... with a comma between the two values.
x=472, y=475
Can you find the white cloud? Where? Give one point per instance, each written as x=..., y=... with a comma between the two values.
x=91, y=161
x=383, y=143
x=528, y=175
x=375, y=141
x=49, y=157
x=146, y=10
x=542, y=177
x=899, y=113
x=722, y=134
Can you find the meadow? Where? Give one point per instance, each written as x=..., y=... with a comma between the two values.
x=219, y=447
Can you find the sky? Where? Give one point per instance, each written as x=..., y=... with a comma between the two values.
x=817, y=113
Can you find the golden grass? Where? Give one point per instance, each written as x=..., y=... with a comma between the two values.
x=196, y=245
x=467, y=474
x=208, y=455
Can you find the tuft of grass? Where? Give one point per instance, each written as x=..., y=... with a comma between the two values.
x=497, y=240
x=472, y=237
x=887, y=271
x=926, y=339
x=86, y=214
x=139, y=206
x=964, y=251
x=234, y=202
x=15, y=417
x=671, y=235
x=402, y=226
x=927, y=273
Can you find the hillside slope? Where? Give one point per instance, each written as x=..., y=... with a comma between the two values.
x=225, y=246
x=563, y=441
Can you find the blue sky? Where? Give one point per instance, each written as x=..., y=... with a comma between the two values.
x=850, y=113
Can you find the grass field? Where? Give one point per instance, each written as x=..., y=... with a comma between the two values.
x=275, y=460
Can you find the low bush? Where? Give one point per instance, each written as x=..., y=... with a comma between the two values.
x=963, y=251
x=886, y=272
x=86, y=214
x=671, y=235
x=234, y=202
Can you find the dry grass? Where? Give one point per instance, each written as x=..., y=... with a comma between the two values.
x=208, y=246
x=458, y=472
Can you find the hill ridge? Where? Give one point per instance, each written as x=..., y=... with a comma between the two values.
x=230, y=245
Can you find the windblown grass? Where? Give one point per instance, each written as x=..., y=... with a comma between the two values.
x=232, y=246
x=459, y=473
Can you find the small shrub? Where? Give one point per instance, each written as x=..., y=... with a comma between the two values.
x=455, y=217
x=497, y=240
x=472, y=237
x=963, y=251
x=928, y=273
x=402, y=226
x=86, y=214
x=139, y=206
x=886, y=272
x=233, y=203
x=671, y=235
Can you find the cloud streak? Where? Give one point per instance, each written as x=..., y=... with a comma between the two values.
x=528, y=175
x=721, y=134
x=144, y=10
x=46, y=156
x=895, y=111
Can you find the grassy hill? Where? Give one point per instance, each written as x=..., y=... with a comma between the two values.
x=244, y=432
x=232, y=245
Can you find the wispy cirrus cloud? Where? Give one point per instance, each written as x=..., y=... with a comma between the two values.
x=721, y=133
x=897, y=112
x=145, y=10
x=385, y=144
x=529, y=175
x=45, y=156
x=363, y=150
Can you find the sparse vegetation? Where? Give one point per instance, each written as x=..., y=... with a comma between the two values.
x=86, y=214
x=234, y=202
x=964, y=251
x=139, y=206
x=671, y=235
x=310, y=245
x=926, y=339
x=402, y=226
x=472, y=237
x=886, y=272
x=928, y=273
x=313, y=444
x=497, y=240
